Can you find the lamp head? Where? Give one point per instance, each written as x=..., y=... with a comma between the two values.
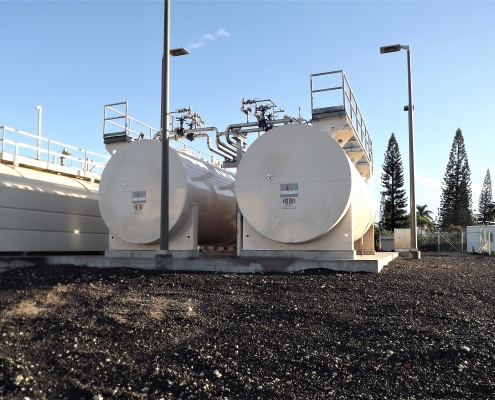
x=178, y=52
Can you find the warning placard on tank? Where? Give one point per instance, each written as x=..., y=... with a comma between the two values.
x=138, y=208
x=289, y=190
x=289, y=203
x=138, y=197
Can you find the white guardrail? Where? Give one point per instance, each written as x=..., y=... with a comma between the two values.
x=43, y=151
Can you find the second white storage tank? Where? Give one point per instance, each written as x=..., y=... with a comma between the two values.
x=295, y=183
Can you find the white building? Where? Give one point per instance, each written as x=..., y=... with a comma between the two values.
x=480, y=238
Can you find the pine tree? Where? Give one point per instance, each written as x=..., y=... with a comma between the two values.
x=455, y=202
x=486, y=198
x=394, y=197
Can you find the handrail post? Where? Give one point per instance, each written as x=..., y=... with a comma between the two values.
x=343, y=91
x=311, y=88
x=14, y=161
x=104, y=120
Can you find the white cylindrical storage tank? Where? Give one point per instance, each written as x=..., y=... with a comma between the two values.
x=130, y=193
x=45, y=212
x=295, y=183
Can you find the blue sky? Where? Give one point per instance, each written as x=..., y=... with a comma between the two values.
x=73, y=57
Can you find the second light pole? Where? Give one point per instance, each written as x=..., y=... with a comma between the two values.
x=413, y=252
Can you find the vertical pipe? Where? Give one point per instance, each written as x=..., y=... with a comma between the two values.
x=414, y=237
x=239, y=226
x=39, y=132
x=164, y=128
x=15, y=162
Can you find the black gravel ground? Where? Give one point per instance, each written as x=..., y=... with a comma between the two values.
x=418, y=330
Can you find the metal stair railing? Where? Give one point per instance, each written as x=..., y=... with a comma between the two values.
x=351, y=108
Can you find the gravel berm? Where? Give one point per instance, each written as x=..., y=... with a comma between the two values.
x=421, y=329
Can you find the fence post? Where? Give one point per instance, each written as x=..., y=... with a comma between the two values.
x=489, y=241
x=462, y=240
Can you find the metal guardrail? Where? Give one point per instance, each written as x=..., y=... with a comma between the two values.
x=352, y=110
x=126, y=124
x=16, y=142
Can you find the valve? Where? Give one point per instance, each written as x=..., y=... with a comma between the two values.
x=180, y=129
x=262, y=120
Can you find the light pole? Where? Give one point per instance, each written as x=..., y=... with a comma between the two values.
x=164, y=118
x=413, y=252
x=39, y=131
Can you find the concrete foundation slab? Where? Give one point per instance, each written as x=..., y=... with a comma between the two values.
x=366, y=263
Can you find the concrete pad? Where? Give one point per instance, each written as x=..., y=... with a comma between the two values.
x=366, y=263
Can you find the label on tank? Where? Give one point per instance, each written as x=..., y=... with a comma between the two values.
x=138, y=197
x=289, y=203
x=138, y=208
x=289, y=190
x=270, y=176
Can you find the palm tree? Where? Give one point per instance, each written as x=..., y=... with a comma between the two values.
x=424, y=219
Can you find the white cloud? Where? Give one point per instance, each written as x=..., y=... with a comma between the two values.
x=209, y=37
x=222, y=32
x=197, y=44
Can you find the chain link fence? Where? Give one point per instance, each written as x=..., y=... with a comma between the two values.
x=443, y=241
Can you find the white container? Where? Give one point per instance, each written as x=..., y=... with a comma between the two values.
x=295, y=184
x=130, y=193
